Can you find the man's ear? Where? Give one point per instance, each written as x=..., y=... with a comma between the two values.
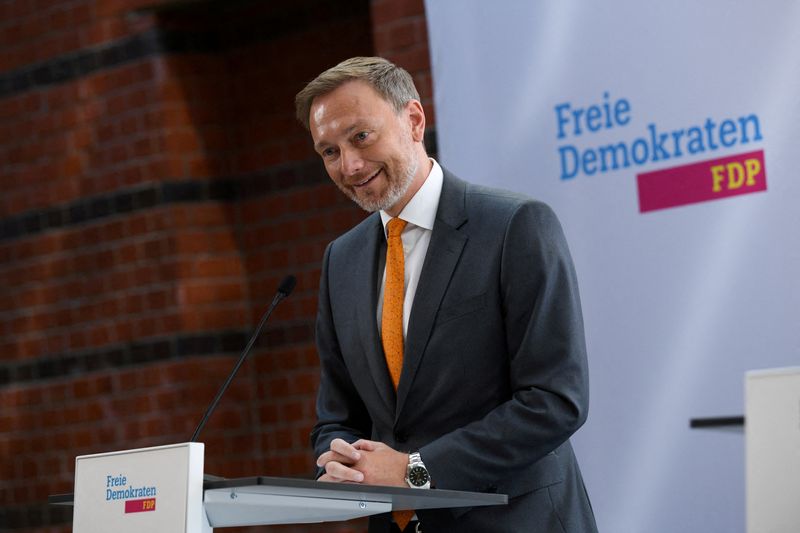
x=416, y=116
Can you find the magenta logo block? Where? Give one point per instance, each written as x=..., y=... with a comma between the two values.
x=702, y=182
x=140, y=506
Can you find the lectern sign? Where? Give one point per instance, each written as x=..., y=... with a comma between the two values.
x=150, y=489
x=772, y=437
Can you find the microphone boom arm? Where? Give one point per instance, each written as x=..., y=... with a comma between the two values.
x=285, y=288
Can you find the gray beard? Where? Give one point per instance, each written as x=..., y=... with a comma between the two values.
x=396, y=191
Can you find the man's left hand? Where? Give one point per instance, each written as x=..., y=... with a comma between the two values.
x=380, y=464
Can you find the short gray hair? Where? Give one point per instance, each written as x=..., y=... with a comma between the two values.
x=393, y=83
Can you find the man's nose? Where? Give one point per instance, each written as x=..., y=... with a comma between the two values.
x=351, y=162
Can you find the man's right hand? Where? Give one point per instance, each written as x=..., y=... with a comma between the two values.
x=338, y=461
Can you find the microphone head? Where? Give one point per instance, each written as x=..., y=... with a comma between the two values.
x=287, y=285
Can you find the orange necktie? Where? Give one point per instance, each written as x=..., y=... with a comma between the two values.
x=393, y=295
x=392, y=319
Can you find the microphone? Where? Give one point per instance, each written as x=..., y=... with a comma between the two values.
x=284, y=290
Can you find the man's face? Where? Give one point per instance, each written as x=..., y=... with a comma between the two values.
x=368, y=149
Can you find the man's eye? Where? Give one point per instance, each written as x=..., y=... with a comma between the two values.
x=328, y=152
x=361, y=136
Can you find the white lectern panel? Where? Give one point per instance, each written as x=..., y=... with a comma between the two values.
x=158, y=490
x=772, y=435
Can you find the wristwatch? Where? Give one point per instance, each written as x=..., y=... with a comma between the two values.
x=417, y=475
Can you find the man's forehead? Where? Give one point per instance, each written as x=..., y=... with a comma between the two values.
x=351, y=95
x=348, y=106
x=326, y=122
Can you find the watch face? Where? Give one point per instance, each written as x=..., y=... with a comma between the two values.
x=418, y=476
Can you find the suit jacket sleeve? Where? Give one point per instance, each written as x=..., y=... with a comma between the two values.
x=547, y=361
x=340, y=411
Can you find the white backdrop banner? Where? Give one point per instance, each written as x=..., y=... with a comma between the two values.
x=664, y=135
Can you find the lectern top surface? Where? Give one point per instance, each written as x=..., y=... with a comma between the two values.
x=436, y=497
x=398, y=496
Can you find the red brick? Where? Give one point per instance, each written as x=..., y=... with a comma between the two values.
x=218, y=267
x=105, y=30
x=197, y=242
x=182, y=142
x=212, y=318
x=138, y=99
x=123, y=331
x=32, y=347
x=78, y=340
x=212, y=215
x=99, y=335
x=292, y=411
x=56, y=393
x=413, y=59
x=192, y=294
x=397, y=35
x=204, y=166
x=386, y=11
x=82, y=439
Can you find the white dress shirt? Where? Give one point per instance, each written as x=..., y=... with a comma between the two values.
x=420, y=213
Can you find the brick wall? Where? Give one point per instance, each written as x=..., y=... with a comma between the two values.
x=155, y=190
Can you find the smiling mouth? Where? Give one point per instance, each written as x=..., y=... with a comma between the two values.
x=369, y=179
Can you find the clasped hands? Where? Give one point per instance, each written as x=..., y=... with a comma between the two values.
x=364, y=461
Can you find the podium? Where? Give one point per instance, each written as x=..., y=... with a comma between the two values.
x=771, y=428
x=772, y=448
x=162, y=490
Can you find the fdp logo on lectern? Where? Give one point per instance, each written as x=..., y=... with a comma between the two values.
x=137, y=499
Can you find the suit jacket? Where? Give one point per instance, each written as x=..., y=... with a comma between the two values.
x=494, y=379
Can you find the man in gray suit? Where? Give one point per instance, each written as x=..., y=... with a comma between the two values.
x=472, y=375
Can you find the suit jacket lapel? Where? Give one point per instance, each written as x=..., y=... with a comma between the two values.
x=441, y=258
x=368, y=270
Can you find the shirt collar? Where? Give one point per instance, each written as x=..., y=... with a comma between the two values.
x=421, y=209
